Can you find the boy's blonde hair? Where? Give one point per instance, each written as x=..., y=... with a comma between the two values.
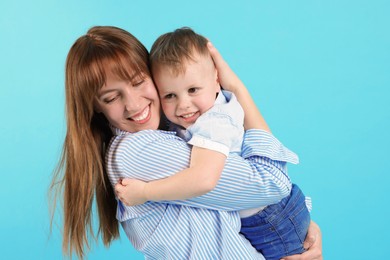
x=172, y=49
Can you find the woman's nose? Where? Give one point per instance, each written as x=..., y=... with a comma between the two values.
x=132, y=103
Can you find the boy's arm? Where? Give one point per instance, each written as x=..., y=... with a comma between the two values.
x=201, y=177
x=213, y=136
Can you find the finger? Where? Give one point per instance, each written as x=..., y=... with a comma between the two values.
x=312, y=253
x=311, y=236
x=126, y=182
x=292, y=257
x=309, y=241
x=305, y=255
x=118, y=189
x=218, y=60
x=213, y=51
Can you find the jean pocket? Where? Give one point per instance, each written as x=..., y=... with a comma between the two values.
x=301, y=221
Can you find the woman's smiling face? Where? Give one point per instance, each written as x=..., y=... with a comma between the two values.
x=131, y=106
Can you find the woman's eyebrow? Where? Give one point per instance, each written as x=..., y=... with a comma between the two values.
x=104, y=92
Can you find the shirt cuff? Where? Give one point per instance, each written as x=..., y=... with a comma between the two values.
x=264, y=144
x=208, y=144
x=308, y=203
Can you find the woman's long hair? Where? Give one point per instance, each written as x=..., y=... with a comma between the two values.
x=80, y=174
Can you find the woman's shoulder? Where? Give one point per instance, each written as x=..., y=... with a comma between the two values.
x=144, y=148
x=140, y=139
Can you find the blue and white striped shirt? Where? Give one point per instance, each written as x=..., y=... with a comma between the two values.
x=205, y=227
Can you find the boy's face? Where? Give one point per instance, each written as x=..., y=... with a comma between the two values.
x=186, y=96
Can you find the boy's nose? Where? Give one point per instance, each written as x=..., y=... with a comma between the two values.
x=184, y=104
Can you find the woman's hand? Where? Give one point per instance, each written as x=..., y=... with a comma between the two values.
x=229, y=81
x=313, y=245
x=227, y=78
x=131, y=192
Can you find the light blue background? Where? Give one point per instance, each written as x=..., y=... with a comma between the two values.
x=318, y=70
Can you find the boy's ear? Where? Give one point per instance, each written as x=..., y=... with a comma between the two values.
x=218, y=85
x=216, y=74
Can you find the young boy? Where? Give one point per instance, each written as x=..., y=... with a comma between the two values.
x=211, y=120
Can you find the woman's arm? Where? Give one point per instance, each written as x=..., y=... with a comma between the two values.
x=254, y=120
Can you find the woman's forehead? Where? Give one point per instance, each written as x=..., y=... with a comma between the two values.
x=124, y=71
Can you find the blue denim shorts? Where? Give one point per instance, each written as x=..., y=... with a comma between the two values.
x=280, y=229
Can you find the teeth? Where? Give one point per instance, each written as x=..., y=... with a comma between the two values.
x=142, y=116
x=188, y=115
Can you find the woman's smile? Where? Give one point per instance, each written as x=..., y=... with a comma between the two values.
x=143, y=116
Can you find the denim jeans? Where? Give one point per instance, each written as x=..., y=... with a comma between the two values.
x=279, y=229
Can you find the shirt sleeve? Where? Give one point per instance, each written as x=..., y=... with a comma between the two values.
x=221, y=128
x=253, y=180
x=217, y=132
x=267, y=183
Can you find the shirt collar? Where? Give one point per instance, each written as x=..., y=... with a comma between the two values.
x=221, y=99
x=118, y=132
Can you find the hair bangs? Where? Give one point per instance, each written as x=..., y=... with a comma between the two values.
x=125, y=66
x=98, y=59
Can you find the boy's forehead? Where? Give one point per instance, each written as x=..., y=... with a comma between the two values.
x=171, y=70
x=194, y=59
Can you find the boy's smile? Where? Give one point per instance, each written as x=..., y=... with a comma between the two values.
x=186, y=96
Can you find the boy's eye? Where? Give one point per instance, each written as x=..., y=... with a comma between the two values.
x=169, y=96
x=192, y=90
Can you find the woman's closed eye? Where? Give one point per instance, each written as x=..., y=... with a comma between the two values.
x=111, y=99
x=138, y=83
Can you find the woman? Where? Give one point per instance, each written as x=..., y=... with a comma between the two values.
x=109, y=91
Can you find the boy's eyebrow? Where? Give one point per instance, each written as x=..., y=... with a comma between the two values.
x=164, y=91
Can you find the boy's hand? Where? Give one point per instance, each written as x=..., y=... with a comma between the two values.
x=131, y=192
